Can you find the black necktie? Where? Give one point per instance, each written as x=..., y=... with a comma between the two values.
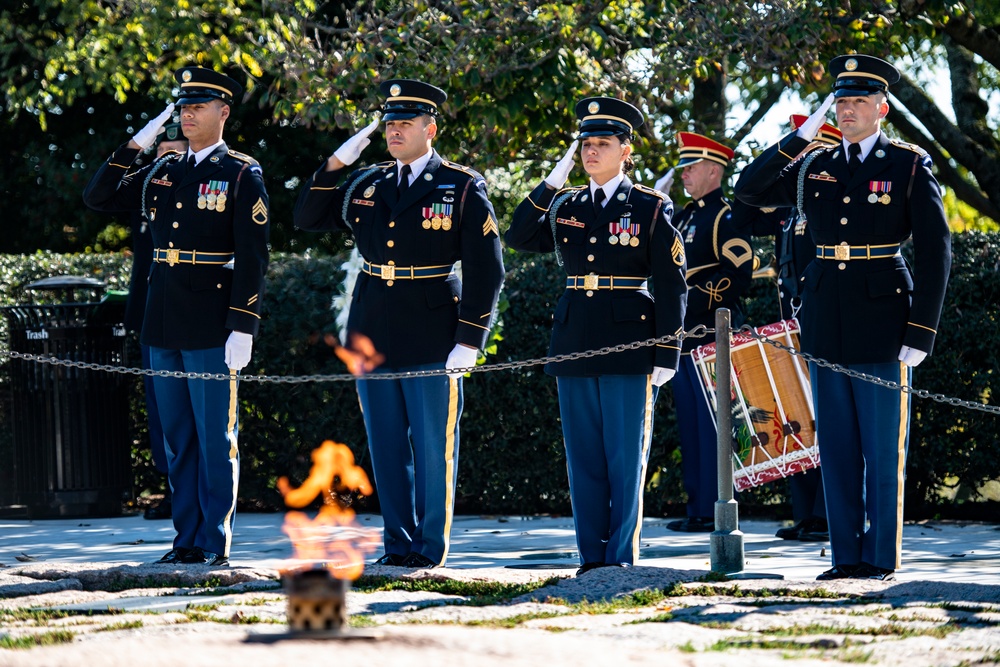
x=404, y=179
x=191, y=163
x=854, y=159
x=598, y=200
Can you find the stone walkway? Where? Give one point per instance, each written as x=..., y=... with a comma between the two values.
x=83, y=592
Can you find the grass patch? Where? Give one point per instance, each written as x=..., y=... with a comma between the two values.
x=203, y=607
x=897, y=630
x=36, y=615
x=361, y=621
x=511, y=621
x=681, y=590
x=122, y=625
x=665, y=617
x=43, y=639
x=478, y=593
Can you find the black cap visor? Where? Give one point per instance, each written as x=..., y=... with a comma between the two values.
x=858, y=87
x=604, y=128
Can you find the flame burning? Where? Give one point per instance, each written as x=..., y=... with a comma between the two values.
x=333, y=538
x=359, y=355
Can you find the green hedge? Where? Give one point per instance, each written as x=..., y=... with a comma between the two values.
x=511, y=454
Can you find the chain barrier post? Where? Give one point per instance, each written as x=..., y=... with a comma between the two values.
x=726, y=542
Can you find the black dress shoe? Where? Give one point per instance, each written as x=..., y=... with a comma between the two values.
x=866, y=571
x=161, y=510
x=174, y=556
x=195, y=556
x=419, y=561
x=693, y=524
x=811, y=529
x=396, y=560
x=838, y=572
x=587, y=567
x=216, y=560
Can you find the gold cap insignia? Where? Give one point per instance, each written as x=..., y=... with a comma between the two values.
x=851, y=65
x=593, y=107
x=186, y=76
x=395, y=90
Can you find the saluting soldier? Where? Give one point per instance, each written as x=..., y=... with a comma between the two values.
x=794, y=249
x=613, y=237
x=719, y=269
x=412, y=219
x=208, y=213
x=862, y=306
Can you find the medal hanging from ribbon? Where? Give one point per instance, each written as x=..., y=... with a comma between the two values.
x=437, y=216
x=624, y=231
x=212, y=195
x=879, y=192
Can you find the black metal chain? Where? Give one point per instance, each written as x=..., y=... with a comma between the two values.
x=698, y=332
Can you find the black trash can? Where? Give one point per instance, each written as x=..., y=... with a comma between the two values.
x=72, y=451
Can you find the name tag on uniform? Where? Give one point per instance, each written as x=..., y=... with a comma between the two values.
x=572, y=223
x=823, y=177
x=363, y=202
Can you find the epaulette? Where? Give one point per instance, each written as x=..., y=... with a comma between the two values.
x=907, y=146
x=173, y=153
x=243, y=157
x=476, y=176
x=649, y=191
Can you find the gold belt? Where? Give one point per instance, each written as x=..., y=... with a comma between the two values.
x=170, y=256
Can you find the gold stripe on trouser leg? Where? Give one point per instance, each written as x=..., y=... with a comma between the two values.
x=904, y=418
x=647, y=437
x=233, y=460
x=449, y=457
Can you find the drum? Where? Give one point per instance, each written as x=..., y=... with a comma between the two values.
x=774, y=425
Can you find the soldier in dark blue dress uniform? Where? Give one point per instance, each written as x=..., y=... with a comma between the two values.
x=613, y=237
x=862, y=306
x=208, y=213
x=412, y=219
x=719, y=269
x=794, y=249
x=171, y=139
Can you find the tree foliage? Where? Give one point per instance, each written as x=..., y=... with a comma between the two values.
x=78, y=76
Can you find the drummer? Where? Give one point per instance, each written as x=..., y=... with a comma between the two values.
x=720, y=264
x=793, y=250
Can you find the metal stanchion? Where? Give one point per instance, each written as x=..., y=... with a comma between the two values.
x=726, y=542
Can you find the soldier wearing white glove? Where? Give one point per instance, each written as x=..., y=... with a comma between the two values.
x=238, y=348
x=911, y=356
x=462, y=356
x=809, y=128
x=664, y=183
x=145, y=137
x=560, y=173
x=661, y=375
x=350, y=150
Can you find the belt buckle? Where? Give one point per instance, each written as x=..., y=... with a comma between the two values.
x=388, y=272
x=590, y=281
x=173, y=256
x=842, y=253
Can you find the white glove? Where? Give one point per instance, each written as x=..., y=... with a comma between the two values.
x=911, y=356
x=147, y=135
x=560, y=173
x=461, y=357
x=663, y=185
x=238, y=348
x=662, y=375
x=811, y=127
x=350, y=150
